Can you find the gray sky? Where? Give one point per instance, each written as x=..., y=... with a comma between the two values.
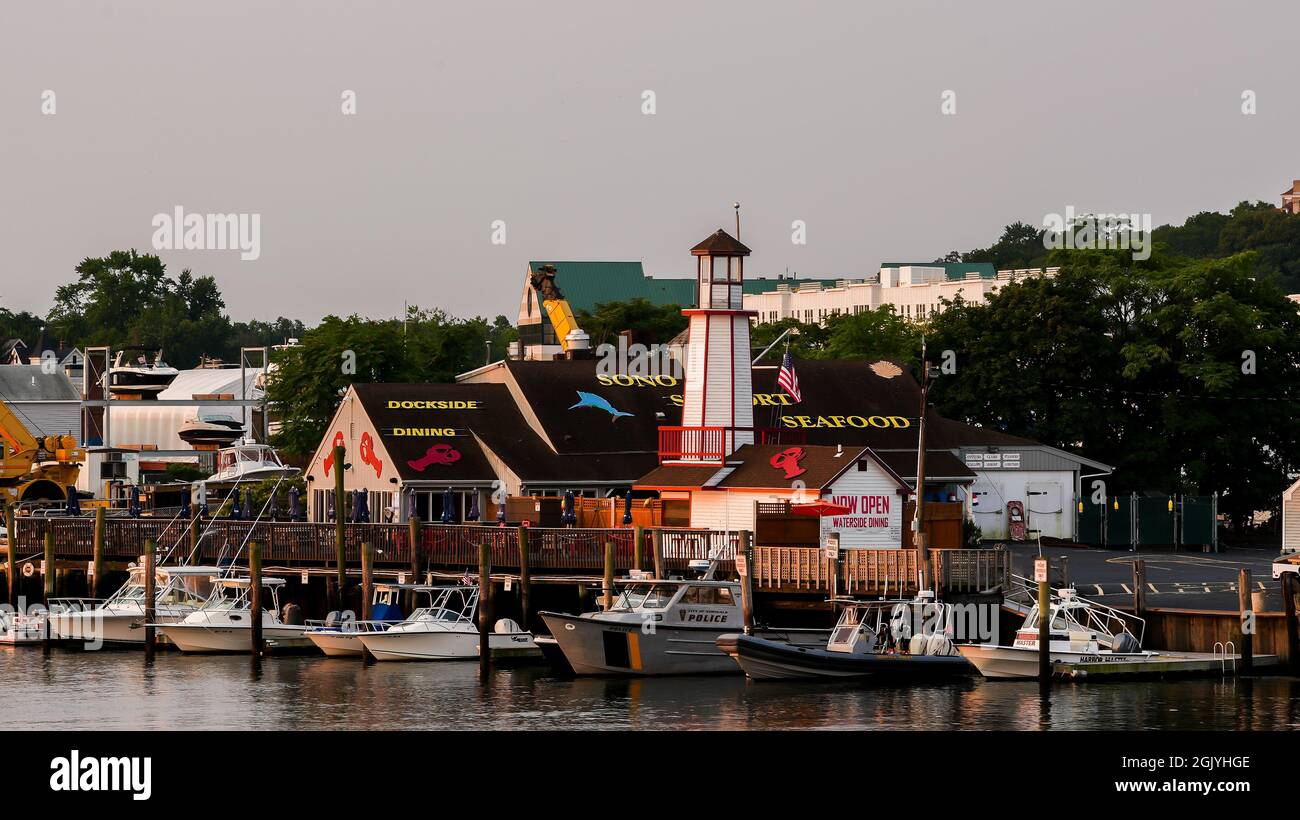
x=531, y=113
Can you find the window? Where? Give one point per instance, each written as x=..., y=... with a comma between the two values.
x=708, y=596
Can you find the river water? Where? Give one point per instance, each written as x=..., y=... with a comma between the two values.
x=116, y=690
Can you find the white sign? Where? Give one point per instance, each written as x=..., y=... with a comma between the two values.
x=506, y=586
x=742, y=568
x=401, y=578
x=872, y=520
x=1040, y=570
x=305, y=577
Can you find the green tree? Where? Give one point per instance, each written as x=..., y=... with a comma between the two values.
x=649, y=323
x=873, y=334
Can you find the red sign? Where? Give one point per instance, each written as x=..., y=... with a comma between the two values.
x=437, y=454
x=788, y=460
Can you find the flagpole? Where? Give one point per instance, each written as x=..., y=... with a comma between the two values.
x=918, y=529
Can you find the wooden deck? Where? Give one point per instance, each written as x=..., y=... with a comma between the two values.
x=887, y=573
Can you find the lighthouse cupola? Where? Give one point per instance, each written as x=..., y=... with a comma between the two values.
x=720, y=271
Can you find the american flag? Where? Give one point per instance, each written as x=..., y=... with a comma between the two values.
x=787, y=380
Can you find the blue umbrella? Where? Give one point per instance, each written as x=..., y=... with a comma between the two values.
x=74, y=502
x=332, y=512
x=135, y=501
x=627, y=508
x=412, y=505
x=248, y=504
x=235, y=512
x=185, y=505
x=472, y=515
x=295, y=505
x=360, y=508
x=275, y=506
x=447, y=501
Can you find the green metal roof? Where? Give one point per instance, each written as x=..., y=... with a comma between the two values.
x=587, y=284
x=953, y=270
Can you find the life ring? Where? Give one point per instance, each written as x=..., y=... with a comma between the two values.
x=29, y=569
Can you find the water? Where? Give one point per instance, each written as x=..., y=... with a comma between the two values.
x=115, y=690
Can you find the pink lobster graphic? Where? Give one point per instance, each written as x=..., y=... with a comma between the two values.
x=436, y=454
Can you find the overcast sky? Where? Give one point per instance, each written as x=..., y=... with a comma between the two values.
x=531, y=113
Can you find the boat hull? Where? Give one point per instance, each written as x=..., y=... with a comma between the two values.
x=337, y=644
x=596, y=647
x=766, y=659
x=443, y=644
x=110, y=628
x=231, y=639
x=1020, y=663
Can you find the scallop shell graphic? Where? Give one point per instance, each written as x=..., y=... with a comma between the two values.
x=886, y=370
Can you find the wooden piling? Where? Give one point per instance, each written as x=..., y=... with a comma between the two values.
x=255, y=596
x=413, y=536
x=11, y=527
x=657, y=543
x=747, y=580
x=49, y=574
x=150, y=593
x=340, y=526
x=525, y=578
x=1044, y=631
x=97, y=556
x=1247, y=648
x=1290, y=588
x=367, y=592
x=484, y=600
x=1140, y=588
x=638, y=546
x=607, y=583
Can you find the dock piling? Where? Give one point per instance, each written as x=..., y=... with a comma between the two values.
x=413, y=536
x=484, y=602
x=367, y=591
x=638, y=546
x=1044, y=628
x=1247, y=622
x=607, y=583
x=525, y=578
x=97, y=555
x=340, y=526
x=255, y=596
x=48, y=575
x=657, y=543
x=1140, y=588
x=747, y=580
x=11, y=528
x=150, y=593
x=1290, y=589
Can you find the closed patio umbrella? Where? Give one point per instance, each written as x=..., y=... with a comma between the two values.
x=627, y=508
x=501, y=508
x=135, y=501
x=185, y=506
x=235, y=512
x=412, y=505
x=275, y=506
x=472, y=515
x=74, y=501
x=295, y=505
x=360, y=508
x=448, y=499
x=569, y=517
x=248, y=504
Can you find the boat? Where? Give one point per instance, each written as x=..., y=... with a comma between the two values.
x=211, y=428
x=446, y=630
x=338, y=635
x=224, y=621
x=120, y=619
x=660, y=627
x=141, y=376
x=1087, y=639
x=909, y=639
x=17, y=629
x=249, y=462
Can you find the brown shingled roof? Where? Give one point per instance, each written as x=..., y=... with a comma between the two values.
x=721, y=243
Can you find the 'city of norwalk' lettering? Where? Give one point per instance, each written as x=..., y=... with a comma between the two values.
x=440, y=404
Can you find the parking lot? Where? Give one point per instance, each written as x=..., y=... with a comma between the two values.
x=1183, y=580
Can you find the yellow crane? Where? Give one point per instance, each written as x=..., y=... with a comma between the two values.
x=32, y=468
x=553, y=302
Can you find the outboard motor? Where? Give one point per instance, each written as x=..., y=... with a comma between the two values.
x=291, y=614
x=1125, y=643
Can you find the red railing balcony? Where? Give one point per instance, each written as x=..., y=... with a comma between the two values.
x=713, y=444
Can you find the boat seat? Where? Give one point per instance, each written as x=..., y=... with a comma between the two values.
x=505, y=626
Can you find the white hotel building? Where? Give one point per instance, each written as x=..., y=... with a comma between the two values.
x=915, y=290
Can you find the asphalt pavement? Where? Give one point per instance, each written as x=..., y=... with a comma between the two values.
x=1182, y=580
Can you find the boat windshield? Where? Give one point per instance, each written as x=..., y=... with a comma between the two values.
x=646, y=596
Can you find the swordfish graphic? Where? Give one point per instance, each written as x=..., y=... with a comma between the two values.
x=598, y=402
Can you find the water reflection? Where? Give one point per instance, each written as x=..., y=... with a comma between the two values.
x=117, y=690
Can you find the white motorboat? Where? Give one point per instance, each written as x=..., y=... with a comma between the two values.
x=338, y=636
x=249, y=462
x=224, y=622
x=120, y=619
x=1087, y=639
x=211, y=428
x=446, y=630
x=140, y=375
x=17, y=629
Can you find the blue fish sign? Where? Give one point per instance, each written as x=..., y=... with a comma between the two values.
x=598, y=402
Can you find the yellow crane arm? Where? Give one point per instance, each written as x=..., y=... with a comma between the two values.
x=562, y=320
x=18, y=447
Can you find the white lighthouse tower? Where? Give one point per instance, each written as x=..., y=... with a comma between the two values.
x=718, y=400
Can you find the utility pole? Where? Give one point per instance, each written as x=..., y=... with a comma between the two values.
x=918, y=529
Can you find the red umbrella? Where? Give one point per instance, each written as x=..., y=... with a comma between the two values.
x=820, y=508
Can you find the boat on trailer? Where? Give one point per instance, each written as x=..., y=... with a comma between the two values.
x=446, y=630
x=900, y=639
x=1088, y=640
x=225, y=621
x=120, y=619
x=338, y=636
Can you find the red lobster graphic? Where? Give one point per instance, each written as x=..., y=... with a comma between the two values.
x=437, y=454
x=368, y=454
x=329, y=459
x=788, y=460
